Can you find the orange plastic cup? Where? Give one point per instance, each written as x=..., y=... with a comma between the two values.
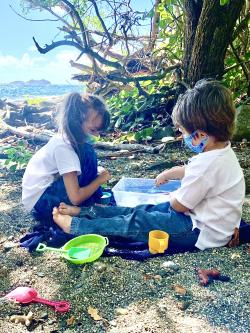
x=158, y=241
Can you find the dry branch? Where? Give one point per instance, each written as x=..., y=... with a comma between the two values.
x=26, y=135
x=101, y=145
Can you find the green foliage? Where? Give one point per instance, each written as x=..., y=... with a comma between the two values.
x=122, y=104
x=224, y=2
x=18, y=156
x=35, y=100
x=143, y=117
x=236, y=81
x=235, y=78
x=171, y=28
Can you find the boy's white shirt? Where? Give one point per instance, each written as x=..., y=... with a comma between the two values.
x=56, y=157
x=213, y=188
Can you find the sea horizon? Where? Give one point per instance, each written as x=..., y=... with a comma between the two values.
x=16, y=92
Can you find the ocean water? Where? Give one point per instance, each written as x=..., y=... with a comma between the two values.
x=13, y=92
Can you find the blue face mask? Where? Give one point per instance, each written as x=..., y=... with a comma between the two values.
x=196, y=149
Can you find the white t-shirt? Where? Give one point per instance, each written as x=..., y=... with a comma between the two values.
x=213, y=188
x=56, y=157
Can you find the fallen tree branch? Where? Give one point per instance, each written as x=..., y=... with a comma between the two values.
x=120, y=153
x=131, y=147
x=160, y=75
x=26, y=135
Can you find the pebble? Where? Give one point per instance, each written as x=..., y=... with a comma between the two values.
x=23, y=230
x=113, y=323
x=9, y=245
x=183, y=305
x=3, y=272
x=165, y=272
x=121, y=311
x=235, y=256
x=100, y=267
x=10, y=238
x=40, y=274
x=162, y=307
x=170, y=265
x=19, y=263
x=79, y=285
x=44, y=315
x=3, y=239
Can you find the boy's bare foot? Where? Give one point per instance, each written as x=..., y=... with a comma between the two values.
x=68, y=210
x=63, y=221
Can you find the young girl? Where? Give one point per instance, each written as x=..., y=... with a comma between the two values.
x=65, y=169
x=206, y=209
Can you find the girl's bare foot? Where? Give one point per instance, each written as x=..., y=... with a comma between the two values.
x=63, y=221
x=68, y=210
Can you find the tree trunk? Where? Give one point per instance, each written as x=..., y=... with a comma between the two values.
x=209, y=36
x=193, y=11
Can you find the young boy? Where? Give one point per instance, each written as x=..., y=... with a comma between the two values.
x=206, y=209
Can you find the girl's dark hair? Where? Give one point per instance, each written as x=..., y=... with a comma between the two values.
x=208, y=107
x=73, y=113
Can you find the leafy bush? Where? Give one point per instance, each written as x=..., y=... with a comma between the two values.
x=35, y=100
x=17, y=157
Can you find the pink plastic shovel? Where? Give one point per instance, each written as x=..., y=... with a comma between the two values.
x=27, y=295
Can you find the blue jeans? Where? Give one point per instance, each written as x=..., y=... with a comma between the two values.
x=135, y=223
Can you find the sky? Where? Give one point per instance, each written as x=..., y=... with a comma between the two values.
x=19, y=58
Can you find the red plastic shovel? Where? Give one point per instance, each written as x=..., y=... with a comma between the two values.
x=27, y=295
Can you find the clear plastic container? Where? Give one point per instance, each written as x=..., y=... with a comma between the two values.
x=130, y=192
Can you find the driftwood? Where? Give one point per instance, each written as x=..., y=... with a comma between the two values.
x=2, y=103
x=44, y=138
x=121, y=153
x=26, y=135
x=131, y=147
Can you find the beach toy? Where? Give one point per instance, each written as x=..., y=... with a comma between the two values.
x=158, y=241
x=27, y=295
x=206, y=276
x=95, y=243
x=105, y=198
x=74, y=252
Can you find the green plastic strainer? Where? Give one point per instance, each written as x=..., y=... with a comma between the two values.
x=96, y=244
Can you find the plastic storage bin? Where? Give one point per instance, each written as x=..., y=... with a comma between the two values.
x=130, y=192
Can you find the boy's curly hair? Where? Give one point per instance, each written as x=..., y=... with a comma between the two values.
x=208, y=107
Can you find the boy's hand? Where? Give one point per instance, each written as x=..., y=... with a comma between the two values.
x=173, y=173
x=104, y=176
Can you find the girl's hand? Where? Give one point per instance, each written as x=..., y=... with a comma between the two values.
x=161, y=178
x=104, y=176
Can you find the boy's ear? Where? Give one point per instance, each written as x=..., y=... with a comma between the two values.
x=202, y=134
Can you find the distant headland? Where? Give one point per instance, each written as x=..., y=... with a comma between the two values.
x=31, y=83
